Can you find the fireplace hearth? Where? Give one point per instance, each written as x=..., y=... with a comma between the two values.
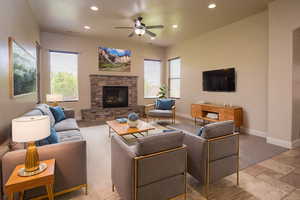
x=115, y=96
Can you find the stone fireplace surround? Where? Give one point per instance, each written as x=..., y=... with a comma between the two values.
x=97, y=112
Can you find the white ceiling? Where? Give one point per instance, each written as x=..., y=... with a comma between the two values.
x=192, y=16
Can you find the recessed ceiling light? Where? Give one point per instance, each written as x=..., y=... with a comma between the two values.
x=152, y=38
x=94, y=8
x=212, y=5
x=175, y=26
x=87, y=27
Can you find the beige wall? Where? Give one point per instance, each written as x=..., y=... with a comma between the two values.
x=284, y=18
x=88, y=61
x=16, y=20
x=242, y=45
x=296, y=84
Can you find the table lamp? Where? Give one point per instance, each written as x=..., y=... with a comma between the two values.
x=53, y=99
x=30, y=129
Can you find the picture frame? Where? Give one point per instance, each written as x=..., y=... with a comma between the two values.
x=22, y=70
x=114, y=60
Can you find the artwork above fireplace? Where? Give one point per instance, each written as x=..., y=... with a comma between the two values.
x=115, y=96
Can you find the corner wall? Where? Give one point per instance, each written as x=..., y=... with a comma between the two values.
x=242, y=45
x=88, y=62
x=284, y=18
x=17, y=21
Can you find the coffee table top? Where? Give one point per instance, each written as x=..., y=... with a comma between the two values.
x=123, y=128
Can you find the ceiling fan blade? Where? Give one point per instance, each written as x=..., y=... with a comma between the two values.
x=123, y=27
x=131, y=34
x=151, y=33
x=156, y=26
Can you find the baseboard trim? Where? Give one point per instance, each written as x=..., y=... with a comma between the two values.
x=254, y=132
x=296, y=143
x=279, y=142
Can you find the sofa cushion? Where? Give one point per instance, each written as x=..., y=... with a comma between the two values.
x=44, y=108
x=164, y=104
x=51, y=139
x=65, y=125
x=160, y=113
x=58, y=113
x=218, y=129
x=71, y=135
x=159, y=142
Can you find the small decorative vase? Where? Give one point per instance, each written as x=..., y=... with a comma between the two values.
x=133, y=124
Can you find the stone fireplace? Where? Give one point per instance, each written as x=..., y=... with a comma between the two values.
x=112, y=97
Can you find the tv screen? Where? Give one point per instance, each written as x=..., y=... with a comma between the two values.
x=219, y=80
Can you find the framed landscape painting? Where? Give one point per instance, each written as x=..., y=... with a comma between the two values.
x=23, y=70
x=111, y=59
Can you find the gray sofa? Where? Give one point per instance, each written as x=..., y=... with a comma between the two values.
x=69, y=153
x=155, y=168
x=214, y=154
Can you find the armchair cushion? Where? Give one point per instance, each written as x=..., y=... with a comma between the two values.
x=160, y=113
x=164, y=104
x=218, y=129
x=159, y=142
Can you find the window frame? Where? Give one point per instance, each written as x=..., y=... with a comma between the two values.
x=160, y=78
x=65, y=52
x=169, y=77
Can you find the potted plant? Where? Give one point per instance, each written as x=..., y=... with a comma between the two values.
x=162, y=94
x=133, y=120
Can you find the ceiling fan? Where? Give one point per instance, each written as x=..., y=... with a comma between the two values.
x=140, y=28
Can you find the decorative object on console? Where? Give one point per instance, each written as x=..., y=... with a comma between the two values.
x=133, y=120
x=111, y=59
x=53, y=99
x=162, y=94
x=22, y=70
x=30, y=129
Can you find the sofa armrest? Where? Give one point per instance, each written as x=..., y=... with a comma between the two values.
x=70, y=164
x=69, y=113
x=122, y=167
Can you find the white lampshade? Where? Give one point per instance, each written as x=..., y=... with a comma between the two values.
x=30, y=129
x=54, y=97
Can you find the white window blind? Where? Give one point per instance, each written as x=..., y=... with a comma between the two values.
x=64, y=74
x=174, y=77
x=152, y=78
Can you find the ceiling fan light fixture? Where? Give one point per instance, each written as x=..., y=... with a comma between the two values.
x=139, y=31
x=87, y=27
x=152, y=38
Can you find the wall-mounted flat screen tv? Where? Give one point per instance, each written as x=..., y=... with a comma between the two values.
x=219, y=80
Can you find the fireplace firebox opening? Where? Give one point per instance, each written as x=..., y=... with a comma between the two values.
x=115, y=96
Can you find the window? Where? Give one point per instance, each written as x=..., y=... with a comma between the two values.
x=63, y=74
x=174, y=77
x=152, y=78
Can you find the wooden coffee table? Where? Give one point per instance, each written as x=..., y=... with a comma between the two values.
x=123, y=129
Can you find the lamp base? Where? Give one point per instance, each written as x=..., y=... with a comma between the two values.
x=24, y=173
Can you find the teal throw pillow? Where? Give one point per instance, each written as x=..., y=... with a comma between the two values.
x=58, y=113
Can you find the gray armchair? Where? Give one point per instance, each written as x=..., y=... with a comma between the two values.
x=152, y=111
x=155, y=168
x=215, y=154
